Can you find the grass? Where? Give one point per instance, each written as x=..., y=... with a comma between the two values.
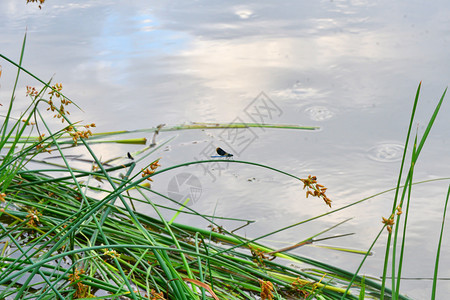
x=64, y=237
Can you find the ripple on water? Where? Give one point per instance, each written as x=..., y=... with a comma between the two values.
x=319, y=113
x=386, y=152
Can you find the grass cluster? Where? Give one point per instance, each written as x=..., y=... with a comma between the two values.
x=60, y=240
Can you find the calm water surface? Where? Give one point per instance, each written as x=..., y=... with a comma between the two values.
x=349, y=67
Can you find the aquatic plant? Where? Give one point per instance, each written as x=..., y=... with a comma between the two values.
x=61, y=240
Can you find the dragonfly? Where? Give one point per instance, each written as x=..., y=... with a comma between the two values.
x=222, y=153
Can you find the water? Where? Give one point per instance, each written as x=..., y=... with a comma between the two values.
x=349, y=67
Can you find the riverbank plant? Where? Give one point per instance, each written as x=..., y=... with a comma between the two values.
x=64, y=236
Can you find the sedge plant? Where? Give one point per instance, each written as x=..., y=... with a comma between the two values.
x=60, y=240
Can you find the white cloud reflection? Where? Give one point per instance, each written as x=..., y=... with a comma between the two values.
x=243, y=13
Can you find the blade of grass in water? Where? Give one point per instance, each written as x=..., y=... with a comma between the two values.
x=438, y=251
x=179, y=211
x=408, y=181
x=405, y=222
x=394, y=204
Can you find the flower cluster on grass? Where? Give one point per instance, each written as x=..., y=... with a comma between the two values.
x=151, y=169
x=56, y=91
x=76, y=135
x=60, y=113
x=82, y=290
x=33, y=217
x=266, y=290
x=388, y=222
x=314, y=189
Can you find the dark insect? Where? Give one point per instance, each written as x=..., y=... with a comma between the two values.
x=129, y=156
x=222, y=152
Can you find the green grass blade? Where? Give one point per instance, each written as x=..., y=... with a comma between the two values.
x=394, y=204
x=430, y=124
x=438, y=251
x=408, y=187
x=8, y=114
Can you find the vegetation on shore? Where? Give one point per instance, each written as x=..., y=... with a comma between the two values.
x=64, y=237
